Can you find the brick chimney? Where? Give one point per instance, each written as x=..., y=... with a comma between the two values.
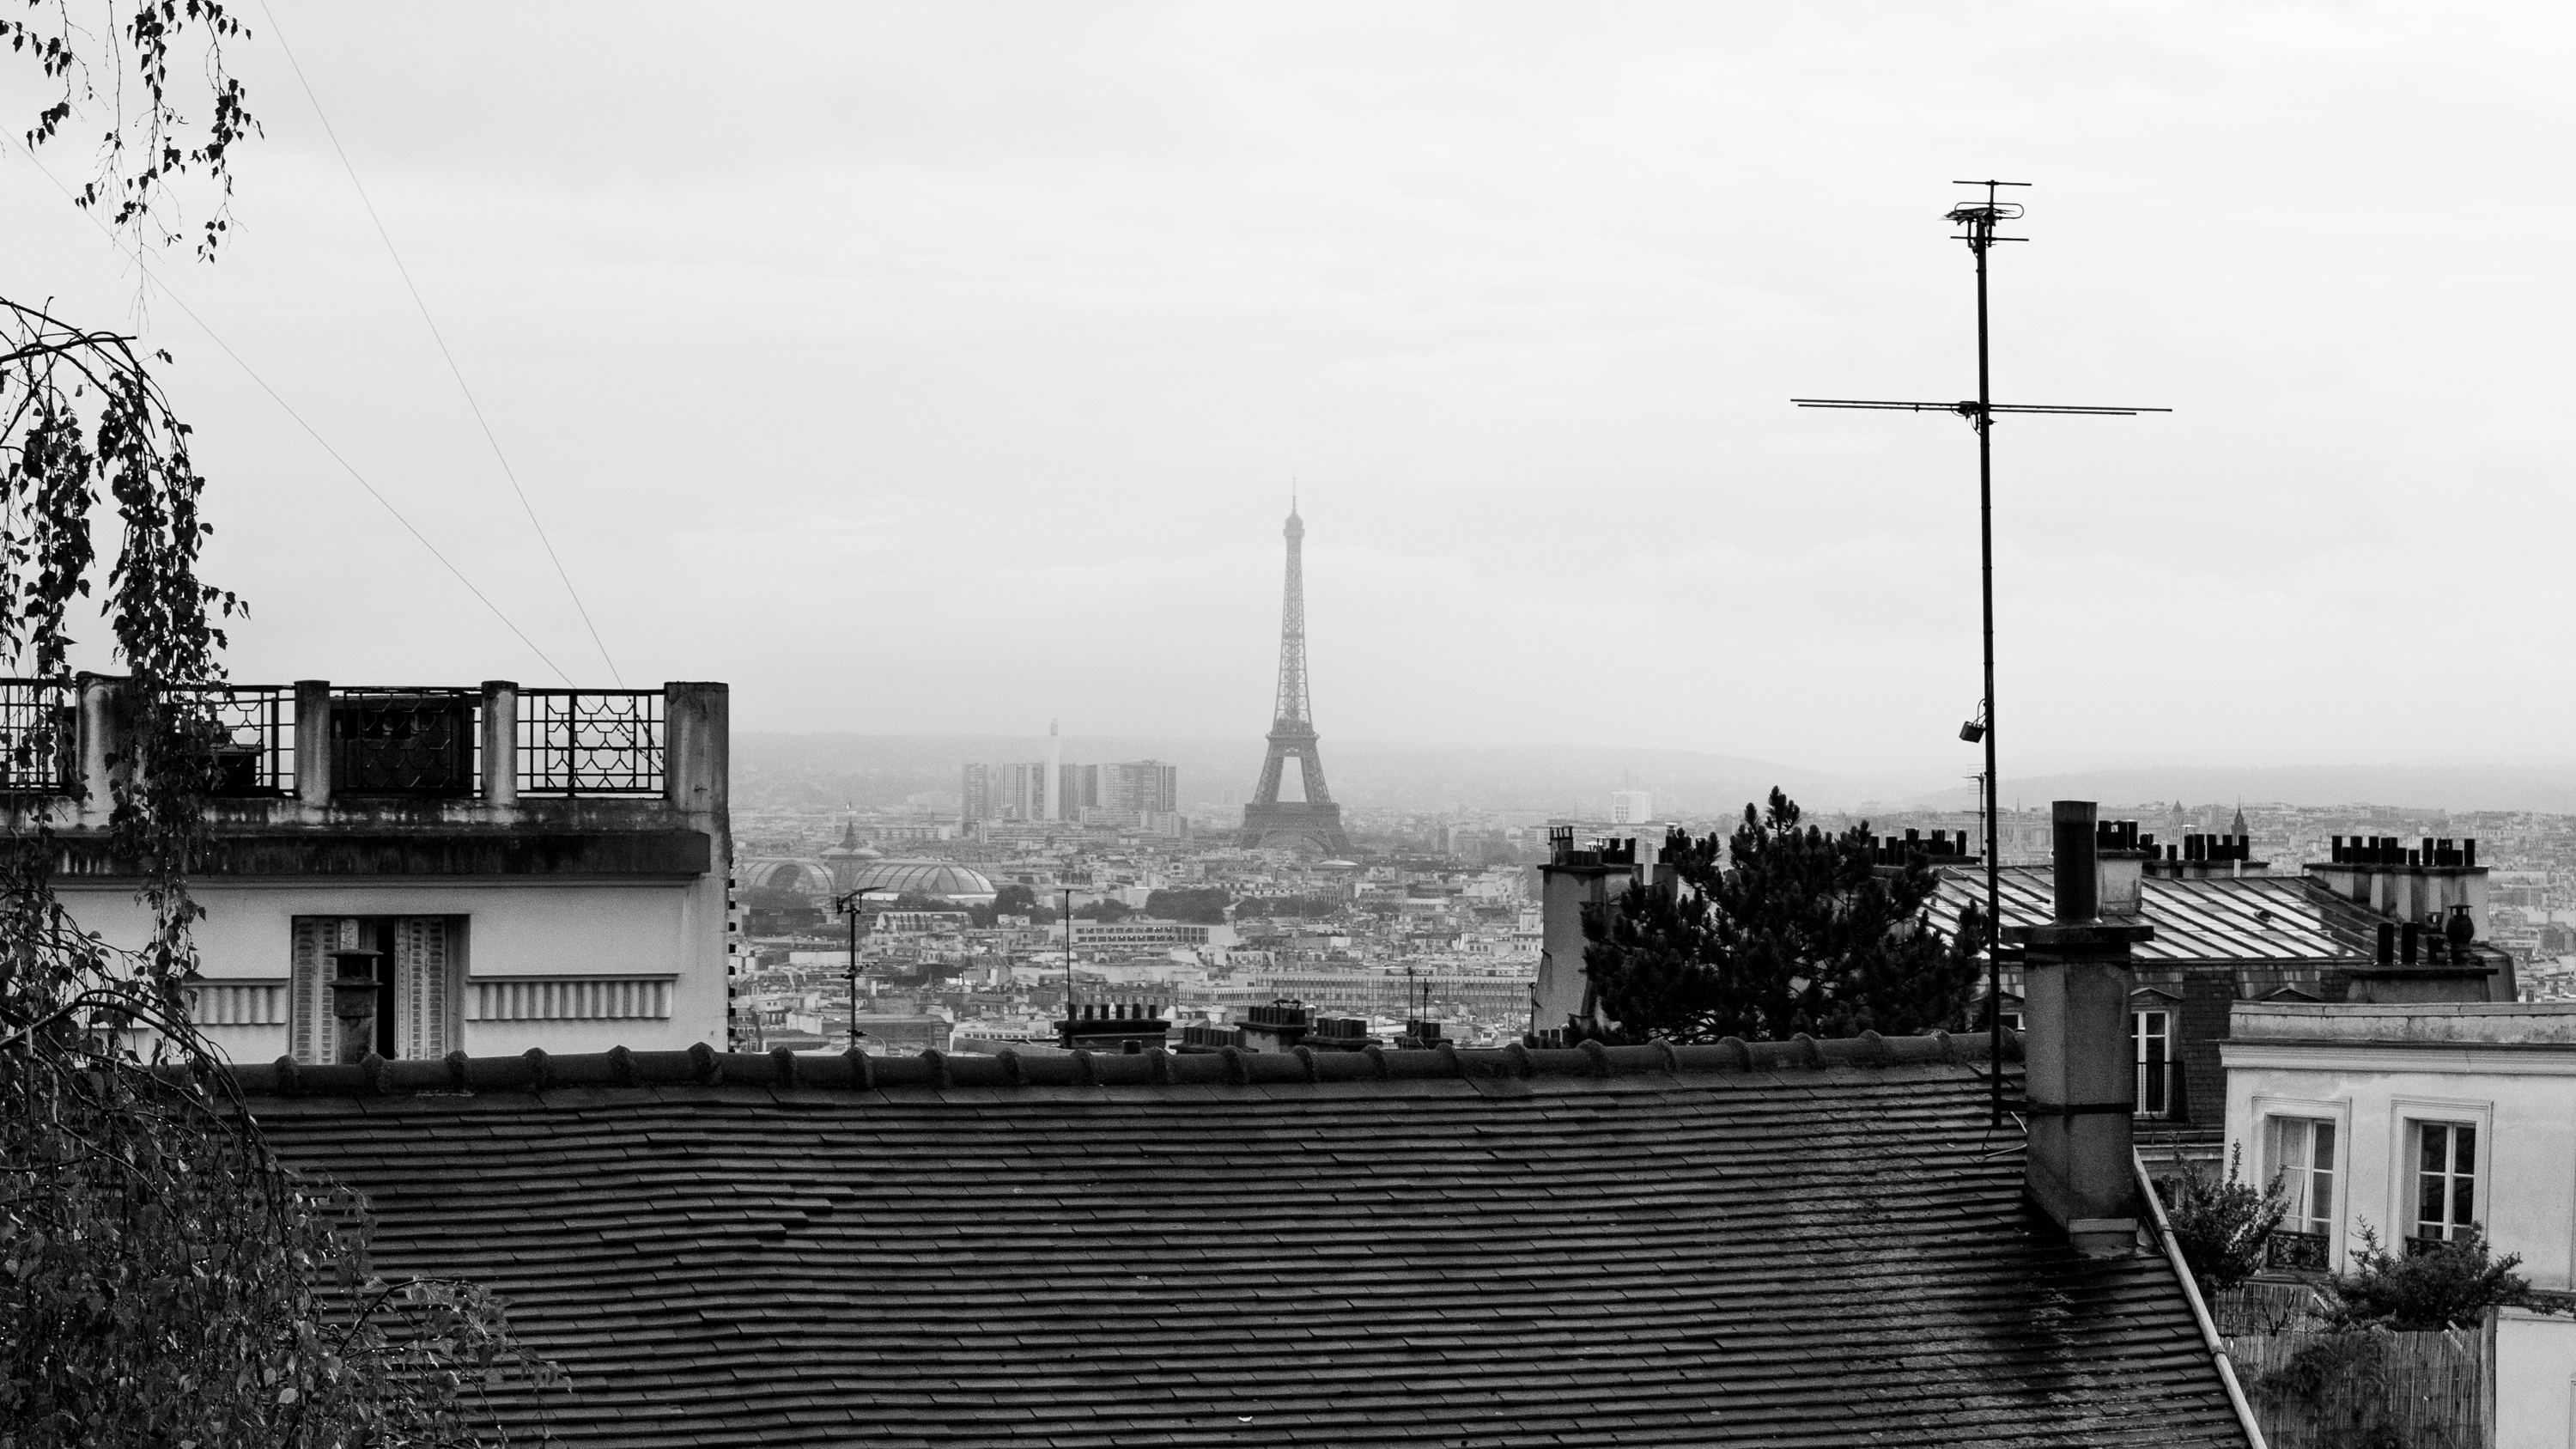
x=2082, y=1082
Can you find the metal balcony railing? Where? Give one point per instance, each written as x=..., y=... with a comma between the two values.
x=254, y=746
x=2421, y=1243
x=591, y=742
x=416, y=742
x=39, y=734
x=2296, y=1252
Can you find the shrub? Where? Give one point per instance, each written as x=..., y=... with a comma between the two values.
x=2221, y=1224
x=2433, y=1285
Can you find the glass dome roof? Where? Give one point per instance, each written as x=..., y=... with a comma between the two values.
x=925, y=877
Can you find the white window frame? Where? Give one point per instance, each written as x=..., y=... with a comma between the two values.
x=2142, y=1006
x=2405, y=1115
x=2339, y=1112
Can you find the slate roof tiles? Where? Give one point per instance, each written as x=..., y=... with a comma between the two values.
x=1719, y=1245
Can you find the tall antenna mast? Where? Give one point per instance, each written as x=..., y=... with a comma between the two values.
x=1979, y=220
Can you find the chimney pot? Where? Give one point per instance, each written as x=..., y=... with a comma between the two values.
x=2411, y=938
x=2078, y=884
x=2388, y=943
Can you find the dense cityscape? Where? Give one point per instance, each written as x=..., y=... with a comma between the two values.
x=1430, y=917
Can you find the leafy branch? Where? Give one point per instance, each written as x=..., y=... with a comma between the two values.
x=164, y=1277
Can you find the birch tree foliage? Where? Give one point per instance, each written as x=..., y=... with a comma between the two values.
x=164, y=1279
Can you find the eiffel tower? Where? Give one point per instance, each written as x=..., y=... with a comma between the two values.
x=1317, y=821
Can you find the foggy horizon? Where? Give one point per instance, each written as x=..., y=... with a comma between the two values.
x=927, y=371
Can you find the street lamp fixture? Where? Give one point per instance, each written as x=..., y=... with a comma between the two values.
x=849, y=906
x=1067, y=918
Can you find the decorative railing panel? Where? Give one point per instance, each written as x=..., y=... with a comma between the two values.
x=254, y=746
x=237, y=1003
x=421, y=742
x=569, y=999
x=590, y=742
x=2297, y=1252
x=39, y=734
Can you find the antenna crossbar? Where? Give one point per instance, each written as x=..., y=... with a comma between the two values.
x=1979, y=220
x=1970, y=408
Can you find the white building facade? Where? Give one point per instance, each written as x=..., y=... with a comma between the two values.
x=515, y=868
x=2419, y=1119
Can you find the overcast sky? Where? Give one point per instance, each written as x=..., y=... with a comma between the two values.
x=944, y=367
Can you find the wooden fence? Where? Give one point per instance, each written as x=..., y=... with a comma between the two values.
x=2366, y=1389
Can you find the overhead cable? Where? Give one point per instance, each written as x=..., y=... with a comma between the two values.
x=435, y=335
x=310, y=431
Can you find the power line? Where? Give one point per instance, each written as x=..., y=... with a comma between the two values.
x=435, y=335
x=253, y=374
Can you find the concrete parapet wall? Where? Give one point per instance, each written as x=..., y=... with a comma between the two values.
x=2463, y=1023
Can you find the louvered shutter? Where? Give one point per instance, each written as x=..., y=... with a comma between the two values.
x=313, y=1035
x=425, y=987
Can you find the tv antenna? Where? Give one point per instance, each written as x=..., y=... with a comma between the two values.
x=1979, y=220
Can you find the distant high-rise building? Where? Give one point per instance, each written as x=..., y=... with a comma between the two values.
x=1631, y=807
x=1051, y=789
x=1146, y=787
x=1053, y=807
x=1003, y=792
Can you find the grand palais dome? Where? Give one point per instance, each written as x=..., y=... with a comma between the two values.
x=925, y=877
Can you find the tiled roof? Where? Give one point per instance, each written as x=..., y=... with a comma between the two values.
x=2227, y=918
x=1784, y=1244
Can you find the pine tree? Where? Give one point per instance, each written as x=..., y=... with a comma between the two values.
x=1779, y=929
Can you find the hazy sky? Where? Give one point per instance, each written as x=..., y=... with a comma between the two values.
x=946, y=367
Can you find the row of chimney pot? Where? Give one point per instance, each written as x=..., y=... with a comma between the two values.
x=2404, y=942
x=2213, y=847
x=2390, y=850
x=1896, y=850
x=1119, y=1011
x=2121, y=835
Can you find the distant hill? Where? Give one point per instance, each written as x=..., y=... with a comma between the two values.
x=820, y=771
x=1557, y=779
x=2543, y=786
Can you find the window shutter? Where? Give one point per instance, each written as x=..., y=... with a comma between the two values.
x=424, y=985
x=313, y=1036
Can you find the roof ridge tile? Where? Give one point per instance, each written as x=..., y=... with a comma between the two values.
x=621, y=1068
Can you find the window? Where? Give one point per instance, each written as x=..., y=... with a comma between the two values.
x=419, y=971
x=2303, y=1153
x=2446, y=1176
x=2151, y=1043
